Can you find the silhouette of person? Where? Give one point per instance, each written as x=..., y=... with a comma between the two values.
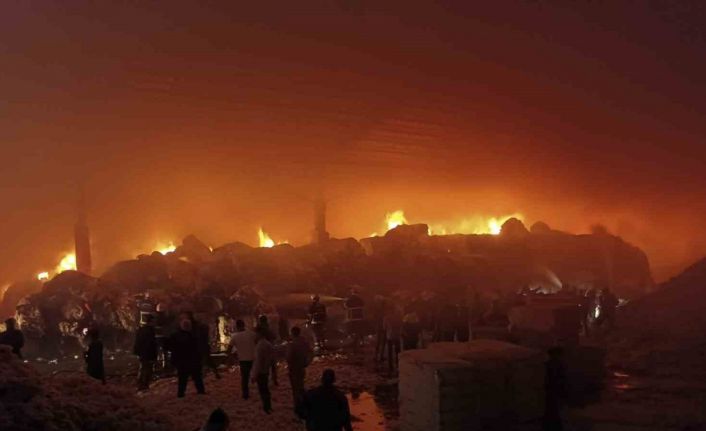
x=13, y=337
x=555, y=390
x=317, y=319
x=393, y=332
x=299, y=356
x=263, y=325
x=94, y=356
x=186, y=357
x=264, y=358
x=202, y=332
x=146, y=349
x=217, y=421
x=325, y=408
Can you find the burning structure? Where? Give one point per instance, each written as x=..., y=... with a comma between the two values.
x=406, y=260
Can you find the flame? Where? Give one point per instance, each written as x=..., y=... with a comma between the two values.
x=43, y=276
x=68, y=263
x=478, y=225
x=265, y=240
x=166, y=249
x=394, y=219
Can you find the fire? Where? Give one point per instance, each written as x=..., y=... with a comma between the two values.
x=166, y=249
x=394, y=219
x=478, y=225
x=265, y=240
x=43, y=276
x=68, y=263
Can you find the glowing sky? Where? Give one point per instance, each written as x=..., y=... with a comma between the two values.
x=221, y=118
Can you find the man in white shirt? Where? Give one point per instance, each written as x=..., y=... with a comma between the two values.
x=243, y=342
x=264, y=358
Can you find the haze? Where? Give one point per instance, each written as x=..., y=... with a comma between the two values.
x=217, y=118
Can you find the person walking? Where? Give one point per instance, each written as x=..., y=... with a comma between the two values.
x=146, y=350
x=263, y=325
x=243, y=342
x=264, y=358
x=13, y=337
x=326, y=408
x=186, y=357
x=94, y=356
x=299, y=356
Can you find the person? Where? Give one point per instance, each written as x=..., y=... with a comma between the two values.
x=299, y=356
x=203, y=336
x=411, y=328
x=380, y=339
x=218, y=420
x=609, y=304
x=186, y=357
x=243, y=341
x=146, y=349
x=354, y=306
x=264, y=358
x=325, y=408
x=317, y=319
x=393, y=329
x=94, y=356
x=555, y=390
x=263, y=324
x=586, y=306
x=13, y=337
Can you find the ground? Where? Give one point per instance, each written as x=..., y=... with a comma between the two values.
x=357, y=378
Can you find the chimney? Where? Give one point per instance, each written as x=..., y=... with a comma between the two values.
x=82, y=240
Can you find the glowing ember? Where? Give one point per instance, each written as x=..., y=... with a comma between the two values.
x=166, y=249
x=265, y=240
x=68, y=263
x=394, y=219
x=43, y=276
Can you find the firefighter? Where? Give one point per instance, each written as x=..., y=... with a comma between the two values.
x=317, y=319
x=354, y=306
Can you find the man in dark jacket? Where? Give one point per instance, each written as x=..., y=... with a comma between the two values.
x=186, y=357
x=325, y=407
x=146, y=349
x=299, y=356
x=13, y=337
x=203, y=335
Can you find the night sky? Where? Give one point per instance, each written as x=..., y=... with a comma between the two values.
x=216, y=118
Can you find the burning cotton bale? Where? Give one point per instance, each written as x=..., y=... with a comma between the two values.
x=13, y=293
x=470, y=385
x=194, y=250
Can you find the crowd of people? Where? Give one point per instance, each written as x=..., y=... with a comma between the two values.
x=397, y=325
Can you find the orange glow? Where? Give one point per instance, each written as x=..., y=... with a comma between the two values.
x=477, y=225
x=68, y=263
x=394, y=219
x=166, y=249
x=266, y=241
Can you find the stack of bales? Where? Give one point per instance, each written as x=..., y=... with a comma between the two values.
x=471, y=386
